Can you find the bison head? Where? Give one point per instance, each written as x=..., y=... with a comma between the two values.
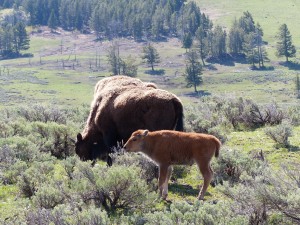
x=91, y=150
x=83, y=148
x=136, y=142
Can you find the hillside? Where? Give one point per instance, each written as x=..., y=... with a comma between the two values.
x=270, y=15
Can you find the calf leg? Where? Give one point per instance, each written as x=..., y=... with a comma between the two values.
x=163, y=180
x=207, y=174
x=165, y=185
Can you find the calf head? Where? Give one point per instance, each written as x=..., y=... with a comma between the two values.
x=136, y=141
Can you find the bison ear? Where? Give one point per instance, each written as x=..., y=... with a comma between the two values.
x=79, y=137
x=145, y=133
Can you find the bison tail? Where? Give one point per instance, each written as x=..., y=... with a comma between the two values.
x=179, y=115
x=218, y=146
x=179, y=124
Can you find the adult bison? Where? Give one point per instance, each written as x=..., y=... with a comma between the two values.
x=120, y=106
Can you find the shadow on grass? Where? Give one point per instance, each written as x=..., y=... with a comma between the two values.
x=198, y=94
x=183, y=190
x=210, y=67
x=263, y=68
x=293, y=148
x=159, y=72
x=15, y=56
x=291, y=65
x=225, y=60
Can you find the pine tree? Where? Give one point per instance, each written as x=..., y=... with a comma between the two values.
x=52, y=22
x=285, y=46
x=7, y=39
x=187, y=41
x=21, y=38
x=114, y=59
x=151, y=55
x=236, y=39
x=218, y=42
x=202, y=37
x=193, y=70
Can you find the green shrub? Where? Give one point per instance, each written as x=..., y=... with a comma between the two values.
x=114, y=188
x=294, y=115
x=197, y=213
x=67, y=214
x=149, y=170
x=39, y=173
x=42, y=113
x=11, y=173
x=48, y=196
x=264, y=198
x=53, y=138
x=234, y=166
x=4, y=129
x=280, y=133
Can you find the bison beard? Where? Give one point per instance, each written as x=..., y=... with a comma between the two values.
x=120, y=106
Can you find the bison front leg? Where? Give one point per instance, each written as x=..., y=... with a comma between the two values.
x=164, y=176
x=110, y=140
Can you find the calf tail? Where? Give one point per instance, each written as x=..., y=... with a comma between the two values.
x=218, y=146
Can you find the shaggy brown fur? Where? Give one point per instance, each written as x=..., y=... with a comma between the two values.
x=168, y=148
x=122, y=105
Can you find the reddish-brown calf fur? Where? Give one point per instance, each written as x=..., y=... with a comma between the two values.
x=168, y=148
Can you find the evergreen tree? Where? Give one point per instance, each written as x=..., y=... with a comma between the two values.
x=262, y=53
x=285, y=45
x=218, y=47
x=193, y=70
x=96, y=21
x=7, y=38
x=236, y=39
x=21, y=38
x=52, y=22
x=246, y=23
x=187, y=41
x=114, y=59
x=202, y=38
x=137, y=29
x=151, y=55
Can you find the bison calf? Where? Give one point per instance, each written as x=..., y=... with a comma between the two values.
x=169, y=148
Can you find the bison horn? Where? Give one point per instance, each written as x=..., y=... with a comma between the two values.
x=145, y=133
x=79, y=137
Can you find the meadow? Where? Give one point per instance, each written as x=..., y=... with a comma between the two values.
x=59, y=80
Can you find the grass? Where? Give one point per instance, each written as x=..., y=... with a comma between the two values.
x=8, y=206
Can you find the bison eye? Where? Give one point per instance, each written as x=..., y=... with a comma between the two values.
x=134, y=139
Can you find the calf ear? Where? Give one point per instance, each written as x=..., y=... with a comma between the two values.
x=145, y=133
x=79, y=137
